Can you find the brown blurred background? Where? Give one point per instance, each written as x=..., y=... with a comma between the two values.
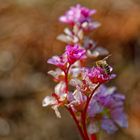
x=28, y=31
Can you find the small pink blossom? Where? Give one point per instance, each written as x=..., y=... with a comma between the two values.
x=81, y=16
x=77, y=14
x=98, y=75
x=74, y=53
x=59, y=61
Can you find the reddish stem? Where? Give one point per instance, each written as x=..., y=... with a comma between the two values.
x=89, y=98
x=93, y=137
x=70, y=109
x=77, y=123
x=83, y=132
x=84, y=115
x=84, y=125
x=66, y=77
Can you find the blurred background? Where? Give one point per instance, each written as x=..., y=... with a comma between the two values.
x=28, y=31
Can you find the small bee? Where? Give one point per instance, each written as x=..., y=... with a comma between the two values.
x=103, y=64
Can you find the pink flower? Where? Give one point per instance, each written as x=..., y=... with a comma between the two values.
x=74, y=53
x=98, y=75
x=81, y=16
x=59, y=61
x=77, y=14
x=71, y=55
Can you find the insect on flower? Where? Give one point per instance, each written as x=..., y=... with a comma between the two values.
x=103, y=64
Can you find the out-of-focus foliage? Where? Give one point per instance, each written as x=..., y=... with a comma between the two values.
x=28, y=31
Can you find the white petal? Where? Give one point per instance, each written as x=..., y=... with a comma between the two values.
x=75, y=29
x=79, y=97
x=85, y=24
x=80, y=34
x=48, y=101
x=55, y=108
x=56, y=73
x=60, y=88
x=93, y=54
x=95, y=24
x=75, y=82
x=53, y=73
x=62, y=38
x=102, y=51
x=75, y=39
x=68, y=31
x=75, y=72
x=69, y=39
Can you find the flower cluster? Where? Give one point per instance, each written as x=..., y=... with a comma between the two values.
x=71, y=55
x=98, y=74
x=81, y=89
x=74, y=53
x=81, y=21
x=80, y=16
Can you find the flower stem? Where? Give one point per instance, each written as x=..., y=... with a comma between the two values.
x=83, y=132
x=70, y=109
x=84, y=115
x=66, y=77
x=89, y=98
x=83, y=118
x=77, y=123
x=93, y=137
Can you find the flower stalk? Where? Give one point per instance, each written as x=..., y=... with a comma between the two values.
x=93, y=106
x=77, y=123
x=69, y=108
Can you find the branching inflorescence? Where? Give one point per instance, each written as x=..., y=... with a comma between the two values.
x=81, y=89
